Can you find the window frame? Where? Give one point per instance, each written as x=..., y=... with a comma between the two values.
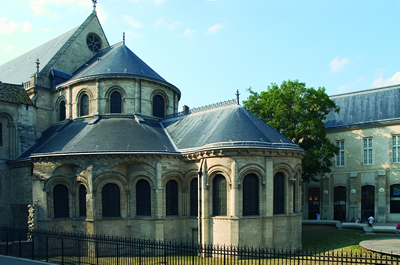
x=395, y=148
x=60, y=201
x=367, y=151
x=171, y=198
x=395, y=199
x=84, y=107
x=279, y=193
x=158, y=106
x=82, y=200
x=111, y=201
x=220, y=196
x=251, y=195
x=340, y=157
x=143, y=198
x=194, y=197
x=115, y=103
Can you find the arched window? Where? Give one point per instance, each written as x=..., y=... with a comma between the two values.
x=194, y=190
x=250, y=195
x=115, y=102
x=395, y=198
x=143, y=198
x=82, y=200
x=339, y=201
x=110, y=197
x=84, y=106
x=171, y=206
x=279, y=193
x=158, y=106
x=61, y=201
x=219, y=196
x=61, y=111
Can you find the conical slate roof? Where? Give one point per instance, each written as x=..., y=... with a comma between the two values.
x=229, y=126
x=224, y=127
x=119, y=60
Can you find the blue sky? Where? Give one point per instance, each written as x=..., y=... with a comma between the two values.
x=209, y=49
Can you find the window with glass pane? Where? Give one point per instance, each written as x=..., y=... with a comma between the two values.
x=111, y=200
x=172, y=198
x=158, y=106
x=115, y=104
x=340, y=155
x=194, y=197
x=396, y=148
x=84, y=105
x=82, y=200
x=367, y=151
x=61, y=201
x=143, y=198
x=279, y=193
x=395, y=198
x=250, y=195
x=61, y=109
x=219, y=196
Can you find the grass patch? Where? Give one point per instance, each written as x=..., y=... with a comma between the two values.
x=321, y=238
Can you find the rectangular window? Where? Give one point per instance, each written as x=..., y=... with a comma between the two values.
x=340, y=155
x=367, y=151
x=396, y=148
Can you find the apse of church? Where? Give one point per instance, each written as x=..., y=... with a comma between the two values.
x=113, y=155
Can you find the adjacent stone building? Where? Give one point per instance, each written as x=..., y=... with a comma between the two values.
x=97, y=145
x=365, y=179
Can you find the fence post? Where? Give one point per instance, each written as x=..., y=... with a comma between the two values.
x=62, y=250
x=33, y=246
x=19, y=244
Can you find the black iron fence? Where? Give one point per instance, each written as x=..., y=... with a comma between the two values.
x=67, y=248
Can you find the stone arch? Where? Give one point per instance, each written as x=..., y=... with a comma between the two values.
x=109, y=93
x=58, y=106
x=251, y=168
x=111, y=178
x=156, y=110
x=219, y=169
x=83, y=91
x=285, y=168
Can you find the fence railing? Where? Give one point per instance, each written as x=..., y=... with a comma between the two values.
x=67, y=248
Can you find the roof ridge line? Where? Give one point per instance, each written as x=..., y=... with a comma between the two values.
x=203, y=108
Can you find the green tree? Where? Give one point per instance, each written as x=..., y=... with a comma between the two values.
x=298, y=113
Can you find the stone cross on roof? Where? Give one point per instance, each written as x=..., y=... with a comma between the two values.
x=94, y=4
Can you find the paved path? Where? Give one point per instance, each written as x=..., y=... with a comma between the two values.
x=387, y=246
x=8, y=260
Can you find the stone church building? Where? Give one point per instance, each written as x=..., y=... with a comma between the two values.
x=94, y=142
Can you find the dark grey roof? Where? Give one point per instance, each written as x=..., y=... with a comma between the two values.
x=118, y=60
x=14, y=94
x=21, y=68
x=229, y=126
x=364, y=108
x=104, y=135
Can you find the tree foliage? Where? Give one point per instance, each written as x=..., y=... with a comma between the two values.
x=298, y=113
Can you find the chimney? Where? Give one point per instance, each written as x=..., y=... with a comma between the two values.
x=185, y=109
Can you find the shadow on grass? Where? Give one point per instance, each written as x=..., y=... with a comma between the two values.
x=322, y=238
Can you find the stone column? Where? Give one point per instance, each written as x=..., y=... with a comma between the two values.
x=234, y=208
x=206, y=218
x=70, y=102
x=90, y=202
x=269, y=187
x=98, y=98
x=380, y=197
x=159, y=233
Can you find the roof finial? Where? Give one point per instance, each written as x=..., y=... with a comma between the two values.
x=123, y=38
x=94, y=5
x=37, y=65
x=237, y=97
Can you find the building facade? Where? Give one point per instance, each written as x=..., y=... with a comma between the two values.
x=105, y=151
x=365, y=178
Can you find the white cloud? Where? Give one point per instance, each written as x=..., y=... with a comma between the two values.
x=10, y=47
x=132, y=21
x=26, y=26
x=160, y=22
x=190, y=33
x=343, y=88
x=45, y=29
x=7, y=27
x=173, y=25
x=159, y=1
x=338, y=64
x=214, y=29
x=132, y=34
x=380, y=82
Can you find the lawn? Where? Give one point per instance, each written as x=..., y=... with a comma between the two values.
x=325, y=238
